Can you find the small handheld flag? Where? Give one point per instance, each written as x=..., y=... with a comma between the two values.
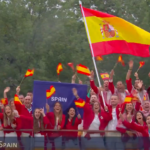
x=121, y=60
x=59, y=68
x=141, y=64
x=71, y=65
x=99, y=58
x=128, y=99
x=144, y=97
x=50, y=92
x=29, y=73
x=83, y=70
x=104, y=76
x=79, y=103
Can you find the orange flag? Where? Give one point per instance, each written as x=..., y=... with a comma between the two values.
x=59, y=68
x=121, y=60
x=79, y=103
x=29, y=73
x=83, y=70
x=99, y=58
x=71, y=65
x=50, y=92
x=142, y=63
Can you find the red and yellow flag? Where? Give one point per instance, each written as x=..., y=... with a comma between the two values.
x=29, y=73
x=71, y=65
x=59, y=68
x=79, y=103
x=142, y=63
x=50, y=92
x=128, y=99
x=121, y=60
x=110, y=34
x=144, y=98
x=4, y=101
x=17, y=100
x=99, y=58
x=104, y=76
x=83, y=70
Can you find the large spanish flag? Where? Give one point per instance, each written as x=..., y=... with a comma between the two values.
x=110, y=34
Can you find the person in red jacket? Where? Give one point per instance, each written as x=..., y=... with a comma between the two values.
x=105, y=90
x=120, y=90
x=71, y=123
x=127, y=135
x=138, y=85
x=40, y=122
x=141, y=126
x=125, y=110
x=57, y=121
x=94, y=120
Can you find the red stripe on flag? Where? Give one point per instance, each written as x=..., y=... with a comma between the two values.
x=109, y=47
x=83, y=73
x=89, y=12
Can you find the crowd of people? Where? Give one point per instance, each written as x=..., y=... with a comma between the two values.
x=104, y=110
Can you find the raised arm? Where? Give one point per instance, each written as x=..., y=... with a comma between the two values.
x=133, y=126
x=18, y=90
x=7, y=89
x=73, y=81
x=136, y=76
x=78, y=119
x=130, y=70
x=92, y=84
x=111, y=84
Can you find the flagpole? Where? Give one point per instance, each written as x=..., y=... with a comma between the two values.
x=93, y=58
x=138, y=69
x=115, y=65
x=22, y=81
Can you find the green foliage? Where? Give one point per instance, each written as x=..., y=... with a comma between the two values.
x=39, y=34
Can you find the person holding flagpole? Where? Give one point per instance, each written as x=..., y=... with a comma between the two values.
x=105, y=90
x=120, y=90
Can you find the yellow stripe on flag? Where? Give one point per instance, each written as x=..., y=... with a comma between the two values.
x=82, y=69
x=95, y=23
x=80, y=104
